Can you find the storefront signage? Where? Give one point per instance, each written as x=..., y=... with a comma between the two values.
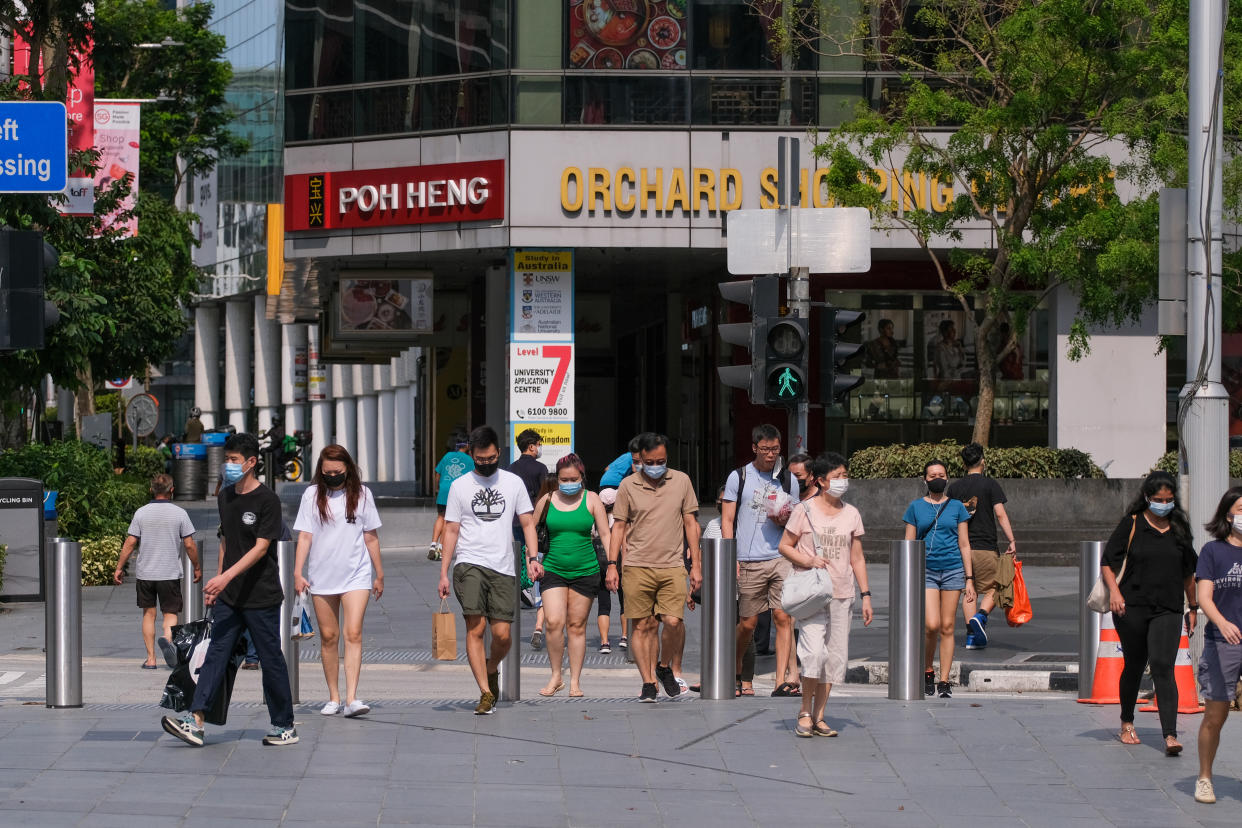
x=541, y=382
x=543, y=295
x=430, y=194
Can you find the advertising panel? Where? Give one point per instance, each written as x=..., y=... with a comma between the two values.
x=117, y=137
x=627, y=34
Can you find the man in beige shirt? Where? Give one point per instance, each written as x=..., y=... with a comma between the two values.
x=655, y=522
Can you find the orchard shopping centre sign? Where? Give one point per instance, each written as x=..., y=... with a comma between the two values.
x=436, y=193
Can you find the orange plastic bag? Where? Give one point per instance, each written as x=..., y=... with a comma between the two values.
x=1020, y=612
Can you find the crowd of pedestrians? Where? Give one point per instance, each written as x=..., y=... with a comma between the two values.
x=639, y=537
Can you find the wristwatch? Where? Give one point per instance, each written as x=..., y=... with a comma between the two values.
x=866, y=594
x=612, y=563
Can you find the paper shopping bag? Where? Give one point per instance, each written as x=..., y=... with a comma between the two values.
x=444, y=634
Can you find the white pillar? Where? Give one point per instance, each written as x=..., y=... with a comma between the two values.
x=207, y=362
x=346, y=415
x=384, y=426
x=368, y=447
x=267, y=395
x=293, y=376
x=237, y=337
x=319, y=390
x=403, y=433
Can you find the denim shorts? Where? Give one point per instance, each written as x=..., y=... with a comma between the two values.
x=947, y=579
x=1220, y=669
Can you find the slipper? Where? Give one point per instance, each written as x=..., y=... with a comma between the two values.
x=146, y=666
x=822, y=729
x=1128, y=736
x=576, y=695
x=1172, y=747
x=544, y=692
x=748, y=691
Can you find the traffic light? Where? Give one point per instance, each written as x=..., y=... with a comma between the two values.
x=762, y=295
x=785, y=361
x=834, y=383
x=25, y=314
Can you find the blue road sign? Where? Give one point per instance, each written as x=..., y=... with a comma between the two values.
x=34, y=140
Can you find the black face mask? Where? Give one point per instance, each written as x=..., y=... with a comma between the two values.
x=487, y=469
x=937, y=485
x=334, y=481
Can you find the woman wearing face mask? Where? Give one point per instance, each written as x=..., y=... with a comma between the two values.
x=806, y=484
x=1153, y=542
x=940, y=522
x=571, y=573
x=826, y=533
x=338, y=545
x=1220, y=596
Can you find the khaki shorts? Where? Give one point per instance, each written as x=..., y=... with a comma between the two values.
x=486, y=592
x=993, y=572
x=759, y=585
x=651, y=592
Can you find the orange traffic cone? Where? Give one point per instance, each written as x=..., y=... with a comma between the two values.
x=1184, y=675
x=1108, y=664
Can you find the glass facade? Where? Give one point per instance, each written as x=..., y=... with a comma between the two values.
x=392, y=67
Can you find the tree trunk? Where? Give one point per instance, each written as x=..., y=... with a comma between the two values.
x=84, y=399
x=987, y=394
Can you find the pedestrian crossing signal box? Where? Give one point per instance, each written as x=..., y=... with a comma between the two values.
x=785, y=361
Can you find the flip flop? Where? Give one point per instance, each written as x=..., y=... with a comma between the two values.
x=146, y=666
x=576, y=695
x=787, y=689
x=748, y=691
x=555, y=690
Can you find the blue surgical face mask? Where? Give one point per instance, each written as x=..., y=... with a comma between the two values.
x=232, y=473
x=570, y=489
x=1160, y=509
x=655, y=472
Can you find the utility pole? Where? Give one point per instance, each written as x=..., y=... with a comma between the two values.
x=789, y=180
x=1203, y=413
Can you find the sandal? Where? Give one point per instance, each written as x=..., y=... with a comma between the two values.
x=803, y=732
x=822, y=729
x=558, y=688
x=1128, y=736
x=748, y=691
x=1172, y=747
x=787, y=688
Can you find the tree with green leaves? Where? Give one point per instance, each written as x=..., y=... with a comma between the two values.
x=1034, y=112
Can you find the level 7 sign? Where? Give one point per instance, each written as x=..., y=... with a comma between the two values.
x=541, y=382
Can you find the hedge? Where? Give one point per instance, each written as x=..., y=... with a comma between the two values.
x=99, y=558
x=1037, y=462
x=1168, y=463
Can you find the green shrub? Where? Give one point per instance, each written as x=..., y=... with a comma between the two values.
x=1168, y=463
x=99, y=558
x=143, y=463
x=93, y=500
x=1038, y=462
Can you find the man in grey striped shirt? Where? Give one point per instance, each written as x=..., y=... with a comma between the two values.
x=159, y=530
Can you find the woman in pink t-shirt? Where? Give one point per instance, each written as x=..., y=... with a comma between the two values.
x=824, y=532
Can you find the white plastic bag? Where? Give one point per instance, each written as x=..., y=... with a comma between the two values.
x=299, y=617
x=778, y=504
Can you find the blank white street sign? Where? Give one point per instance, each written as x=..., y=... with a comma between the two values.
x=825, y=239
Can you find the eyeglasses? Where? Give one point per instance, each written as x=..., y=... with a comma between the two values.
x=495, y=458
x=768, y=449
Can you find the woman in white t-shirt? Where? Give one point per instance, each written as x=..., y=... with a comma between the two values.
x=825, y=533
x=339, y=546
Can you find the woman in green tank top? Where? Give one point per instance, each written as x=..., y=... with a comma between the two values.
x=571, y=568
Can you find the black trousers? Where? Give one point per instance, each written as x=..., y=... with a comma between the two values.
x=1149, y=636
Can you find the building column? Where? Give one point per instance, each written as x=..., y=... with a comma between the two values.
x=403, y=437
x=496, y=357
x=267, y=364
x=207, y=362
x=319, y=392
x=237, y=362
x=368, y=445
x=293, y=376
x=346, y=415
x=384, y=426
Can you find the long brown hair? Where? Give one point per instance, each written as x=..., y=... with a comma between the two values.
x=353, y=483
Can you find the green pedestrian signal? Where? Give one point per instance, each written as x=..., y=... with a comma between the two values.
x=785, y=361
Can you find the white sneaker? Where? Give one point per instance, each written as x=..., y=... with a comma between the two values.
x=357, y=707
x=331, y=708
x=1204, y=792
x=685, y=688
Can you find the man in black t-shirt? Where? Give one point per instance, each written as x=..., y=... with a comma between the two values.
x=245, y=596
x=991, y=568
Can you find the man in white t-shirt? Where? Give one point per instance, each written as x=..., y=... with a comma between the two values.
x=761, y=570
x=478, y=545
x=163, y=528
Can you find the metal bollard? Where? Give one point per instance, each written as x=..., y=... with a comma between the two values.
x=1090, y=553
x=906, y=640
x=191, y=593
x=719, y=624
x=63, y=623
x=286, y=552
x=511, y=666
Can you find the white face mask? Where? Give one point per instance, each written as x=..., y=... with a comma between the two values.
x=838, y=486
x=538, y=452
x=1237, y=523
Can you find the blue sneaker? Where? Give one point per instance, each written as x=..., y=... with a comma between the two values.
x=976, y=629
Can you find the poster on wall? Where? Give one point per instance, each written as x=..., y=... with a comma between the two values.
x=543, y=295
x=117, y=138
x=627, y=34
x=387, y=307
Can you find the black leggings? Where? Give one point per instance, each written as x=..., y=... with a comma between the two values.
x=1149, y=636
x=603, y=598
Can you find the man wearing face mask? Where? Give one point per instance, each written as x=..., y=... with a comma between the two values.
x=761, y=570
x=656, y=520
x=245, y=595
x=533, y=472
x=993, y=569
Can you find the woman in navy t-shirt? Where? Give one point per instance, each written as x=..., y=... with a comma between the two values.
x=940, y=522
x=1219, y=591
